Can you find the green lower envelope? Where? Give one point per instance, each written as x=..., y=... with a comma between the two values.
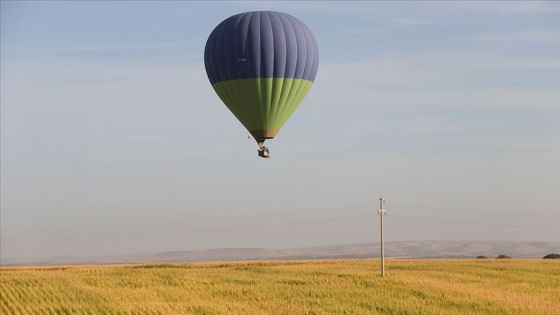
x=263, y=105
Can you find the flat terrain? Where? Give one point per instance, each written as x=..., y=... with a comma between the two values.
x=508, y=286
x=404, y=249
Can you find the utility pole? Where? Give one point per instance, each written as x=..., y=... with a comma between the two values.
x=381, y=213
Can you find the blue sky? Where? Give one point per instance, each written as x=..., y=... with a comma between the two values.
x=113, y=140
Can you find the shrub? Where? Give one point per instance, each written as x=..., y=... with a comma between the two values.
x=503, y=257
x=552, y=256
x=481, y=257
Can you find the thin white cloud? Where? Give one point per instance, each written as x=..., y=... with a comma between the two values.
x=409, y=12
x=489, y=79
x=524, y=36
x=60, y=69
x=19, y=52
x=414, y=21
x=509, y=7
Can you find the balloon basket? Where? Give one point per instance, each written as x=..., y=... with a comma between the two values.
x=264, y=152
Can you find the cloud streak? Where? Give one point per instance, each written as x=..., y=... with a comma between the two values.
x=552, y=36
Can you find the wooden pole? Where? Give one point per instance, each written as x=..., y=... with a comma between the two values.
x=381, y=212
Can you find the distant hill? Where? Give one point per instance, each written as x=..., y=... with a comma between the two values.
x=407, y=249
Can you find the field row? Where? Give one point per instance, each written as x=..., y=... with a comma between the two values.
x=287, y=287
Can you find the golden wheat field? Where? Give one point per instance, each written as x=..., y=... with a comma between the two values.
x=287, y=287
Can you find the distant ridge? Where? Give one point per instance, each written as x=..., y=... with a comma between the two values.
x=405, y=249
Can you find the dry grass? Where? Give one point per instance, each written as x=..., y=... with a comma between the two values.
x=287, y=287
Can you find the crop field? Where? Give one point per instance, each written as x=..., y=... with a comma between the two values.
x=287, y=287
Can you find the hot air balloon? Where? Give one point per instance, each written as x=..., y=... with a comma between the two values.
x=261, y=64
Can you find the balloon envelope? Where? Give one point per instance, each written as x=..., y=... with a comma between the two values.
x=261, y=64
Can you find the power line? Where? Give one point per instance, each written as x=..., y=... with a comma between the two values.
x=247, y=227
x=265, y=216
x=225, y=229
x=193, y=221
x=475, y=211
x=475, y=223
